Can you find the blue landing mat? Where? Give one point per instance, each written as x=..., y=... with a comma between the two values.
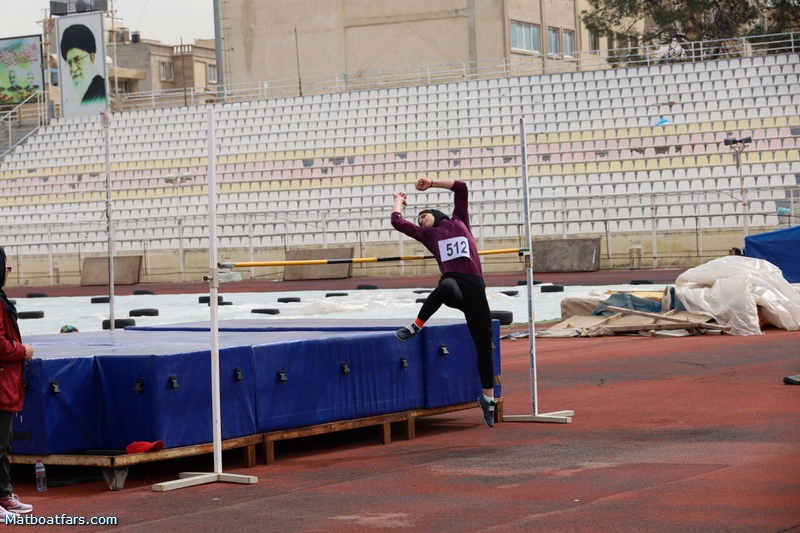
x=103, y=390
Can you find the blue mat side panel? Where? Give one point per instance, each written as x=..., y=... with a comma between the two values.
x=178, y=416
x=184, y=413
x=237, y=392
x=291, y=379
x=125, y=416
x=385, y=376
x=63, y=422
x=453, y=378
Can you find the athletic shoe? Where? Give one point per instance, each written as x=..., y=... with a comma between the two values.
x=11, y=502
x=488, y=410
x=4, y=514
x=407, y=332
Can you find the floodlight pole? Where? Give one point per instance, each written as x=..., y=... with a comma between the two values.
x=105, y=116
x=116, y=67
x=561, y=417
x=218, y=38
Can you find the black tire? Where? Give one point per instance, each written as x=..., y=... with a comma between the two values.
x=119, y=323
x=222, y=303
x=206, y=299
x=100, y=299
x=509, y=293
x=421, y=300
x=30, y=314
x=331, y=294
x=288, y=299
x=552, y=288
x=366, y=287
x=522, y=282
x=423, y=291
x=36, y=295
x=505, y=317
x=266, y=311
x=143, y=312
x=641, y=282
x=139, y=292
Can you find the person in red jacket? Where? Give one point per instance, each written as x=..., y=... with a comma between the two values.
x=13, y=357
x=461, y=286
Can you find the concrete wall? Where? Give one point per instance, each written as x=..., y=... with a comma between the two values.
x=126, y=270
x=566, y=255
x=137, y=56
x=336, y=271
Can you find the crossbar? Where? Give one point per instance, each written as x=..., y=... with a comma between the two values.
x=250, y=264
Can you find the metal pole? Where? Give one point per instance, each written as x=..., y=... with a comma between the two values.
x=297, y=59
x=114, y=31
x=214, y=289
x=106, y=119
x=190, y=479
x=745, y=211
x=563, y=417
x=529, y=268
x=654, y=230
x=218, y=45
x=50, y=251
x=356, y=260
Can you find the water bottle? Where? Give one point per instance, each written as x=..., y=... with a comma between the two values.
x=41, y=477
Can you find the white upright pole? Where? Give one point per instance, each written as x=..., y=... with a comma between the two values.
x=563, y=417
x=213, y=273
x=190, y=479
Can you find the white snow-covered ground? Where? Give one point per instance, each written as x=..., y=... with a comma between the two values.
x=78, y=311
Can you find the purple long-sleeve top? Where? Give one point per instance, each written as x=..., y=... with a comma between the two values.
x=451, y=241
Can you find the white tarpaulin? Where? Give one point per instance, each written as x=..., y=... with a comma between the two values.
x=736, y=289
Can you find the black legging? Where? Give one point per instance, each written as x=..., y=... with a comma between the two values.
x=468, y=295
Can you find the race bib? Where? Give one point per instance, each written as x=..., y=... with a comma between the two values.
x=450, y=249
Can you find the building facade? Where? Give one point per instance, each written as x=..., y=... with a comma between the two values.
x=278, y=40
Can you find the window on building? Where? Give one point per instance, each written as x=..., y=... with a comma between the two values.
x=594, y=41
x=212, y=73
x=622, y=43
x=166, y=71
x=553, y=47
x=568, y=36
x=525, y=36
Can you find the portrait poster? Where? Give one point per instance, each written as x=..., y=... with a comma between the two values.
x=20, y=69
x=82, y=72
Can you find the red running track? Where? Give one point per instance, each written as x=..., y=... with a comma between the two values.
x=693, y=434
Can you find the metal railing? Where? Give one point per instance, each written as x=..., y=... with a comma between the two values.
x=21, y=120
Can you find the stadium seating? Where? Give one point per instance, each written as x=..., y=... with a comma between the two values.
x=598, y=161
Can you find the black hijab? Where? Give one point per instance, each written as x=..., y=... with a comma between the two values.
x=3, y=298
x=438, y=216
